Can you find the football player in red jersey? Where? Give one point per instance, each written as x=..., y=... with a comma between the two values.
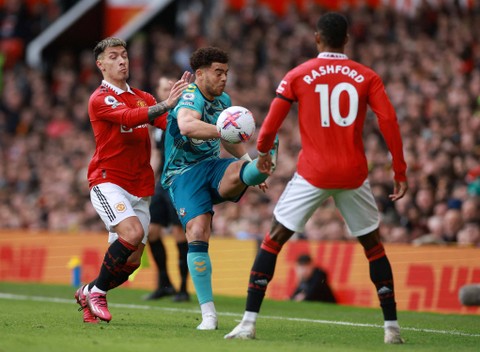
x=332, y=93
x=120, y=177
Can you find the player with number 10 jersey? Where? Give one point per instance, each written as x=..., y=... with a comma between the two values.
x=332, y=94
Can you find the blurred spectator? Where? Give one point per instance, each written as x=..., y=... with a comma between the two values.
x=471, y=209
x=437, y=103
x=435, y=234
x=452, y=223
x=312, y=282
x=469, y=234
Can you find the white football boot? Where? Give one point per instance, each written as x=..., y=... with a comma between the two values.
x=243, y=331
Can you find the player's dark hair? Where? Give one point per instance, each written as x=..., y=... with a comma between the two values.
x=205, y=57
x=332, y=28
x=107, y=43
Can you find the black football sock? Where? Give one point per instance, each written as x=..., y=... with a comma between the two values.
x=122, y=276
x=262, y=273
x=182, y=264
x=382, y=277
x=160, y=257
x=113, y=262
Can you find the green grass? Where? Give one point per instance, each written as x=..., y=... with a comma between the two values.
x=45, y=318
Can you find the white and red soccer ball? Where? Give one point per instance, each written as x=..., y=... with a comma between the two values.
x=236, y=124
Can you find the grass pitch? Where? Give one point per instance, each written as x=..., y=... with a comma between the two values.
x=45, y=318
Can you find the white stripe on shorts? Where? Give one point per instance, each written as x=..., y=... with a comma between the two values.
x=300, y=199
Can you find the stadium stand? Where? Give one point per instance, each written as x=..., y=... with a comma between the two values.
x=429, y=59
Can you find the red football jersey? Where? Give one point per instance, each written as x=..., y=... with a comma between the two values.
x=332, y=94
x=120, y=124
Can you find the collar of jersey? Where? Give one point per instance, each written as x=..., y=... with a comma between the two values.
x=117, y=90
x=329, y=55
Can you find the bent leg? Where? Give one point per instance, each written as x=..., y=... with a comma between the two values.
x=130, y=234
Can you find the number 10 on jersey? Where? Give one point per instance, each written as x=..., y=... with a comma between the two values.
x=330, y=104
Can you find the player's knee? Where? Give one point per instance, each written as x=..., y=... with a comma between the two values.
x=370, y=240
x=280, y=234
x=197, y=232
x=133, y=234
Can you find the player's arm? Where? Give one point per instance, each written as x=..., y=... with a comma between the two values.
x=388, y=124
x=191, y=125
x=104, y=107
x=161, y=108
x=277, y=113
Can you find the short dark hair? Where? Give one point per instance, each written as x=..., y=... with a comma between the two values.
x=333, y=27
x=107, y=43
x=205, y=57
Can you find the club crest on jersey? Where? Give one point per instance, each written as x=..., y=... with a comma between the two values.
x=120, y=207
x=182, y=212
x=141, y=103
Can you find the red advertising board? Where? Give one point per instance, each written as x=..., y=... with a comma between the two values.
x=426, y=278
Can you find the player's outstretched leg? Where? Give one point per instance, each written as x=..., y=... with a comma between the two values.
x=251, y=176
x=274, y=153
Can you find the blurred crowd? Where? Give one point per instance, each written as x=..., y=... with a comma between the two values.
x=429, y=61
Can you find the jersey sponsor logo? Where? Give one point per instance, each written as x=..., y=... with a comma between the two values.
x=333, y=69
x=187, y=103
x=120, y=207
x=188, y=96
x=109, y=100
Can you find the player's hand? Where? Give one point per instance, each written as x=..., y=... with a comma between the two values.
x=263, y=186
x=399, y=190
x=264, y=164
x=177, y=89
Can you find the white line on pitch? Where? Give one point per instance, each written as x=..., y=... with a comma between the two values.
x=147, y=307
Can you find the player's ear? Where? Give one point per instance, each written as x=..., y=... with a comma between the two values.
x=318, y=39
x=99, y=65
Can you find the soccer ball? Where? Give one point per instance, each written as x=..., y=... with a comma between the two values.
x=236, y=124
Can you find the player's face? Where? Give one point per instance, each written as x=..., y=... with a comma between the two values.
x=113, y=63
x=215, y=79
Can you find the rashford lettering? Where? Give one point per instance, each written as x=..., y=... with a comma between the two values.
x=334, y=69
